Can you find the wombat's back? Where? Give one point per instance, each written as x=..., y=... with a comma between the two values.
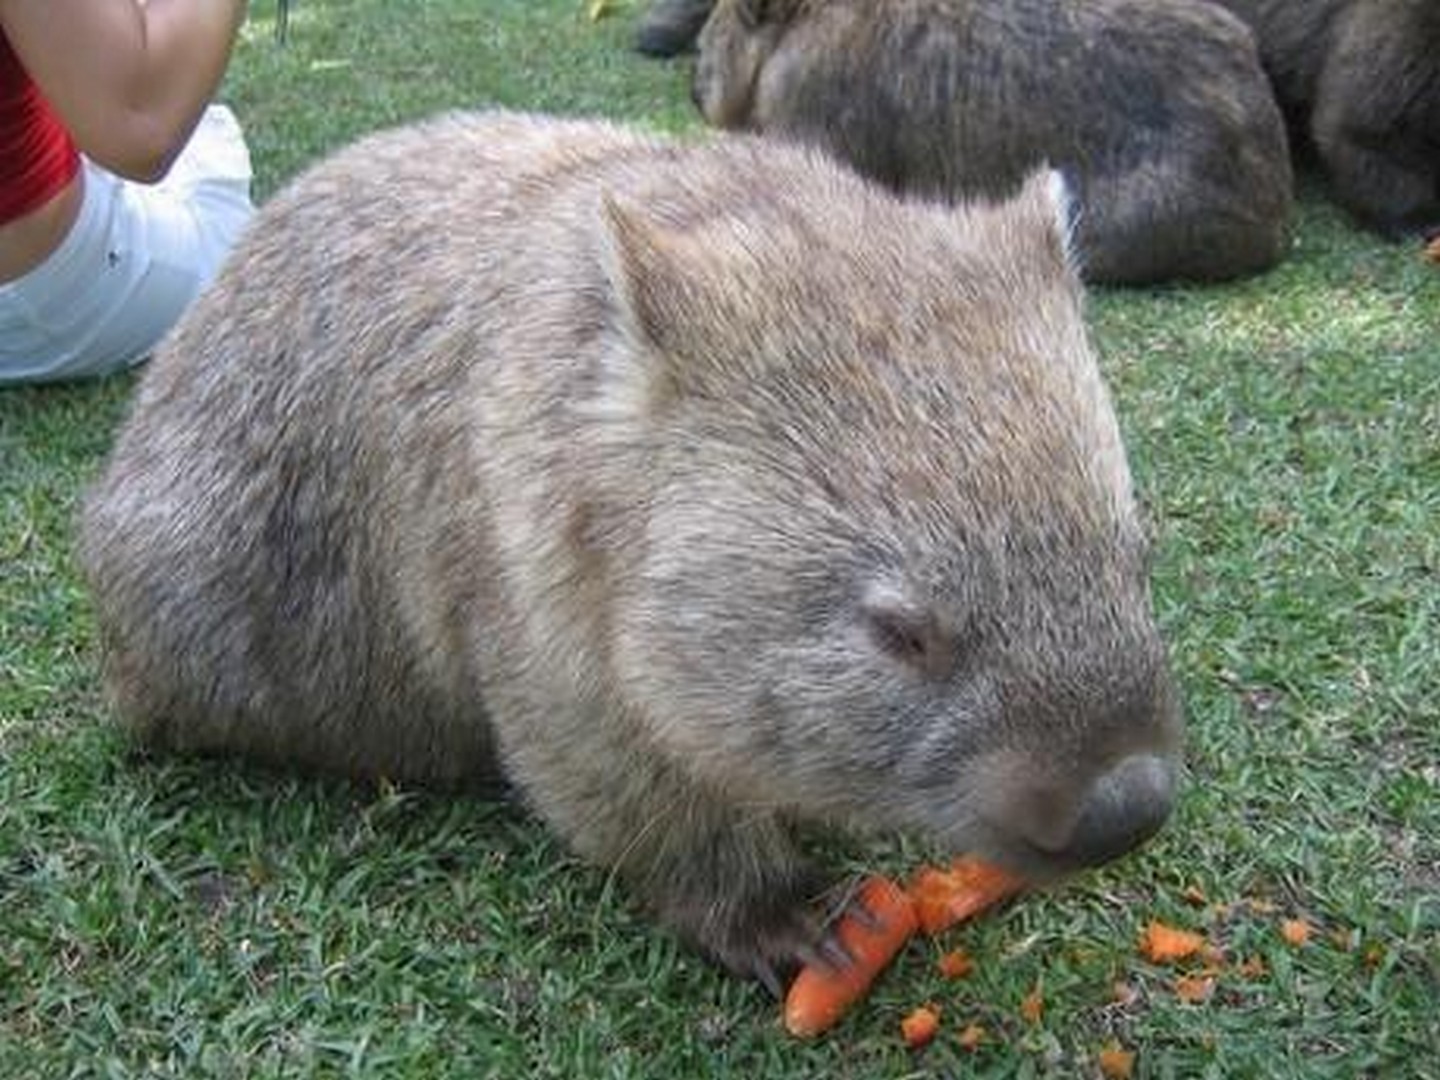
x=354, y=479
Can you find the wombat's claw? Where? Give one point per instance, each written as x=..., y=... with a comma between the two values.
x=770, y=979
x=851, y=908
x=829, y=952
x=772, y=947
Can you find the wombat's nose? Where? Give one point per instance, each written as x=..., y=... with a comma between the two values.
x=1123, y=808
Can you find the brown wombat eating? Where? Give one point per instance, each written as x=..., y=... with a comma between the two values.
x=700, y=491
x=1157, y=111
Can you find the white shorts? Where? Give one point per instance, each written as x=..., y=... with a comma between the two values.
x=135, y=258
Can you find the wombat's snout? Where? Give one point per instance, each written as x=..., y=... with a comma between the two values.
x=1123, y=808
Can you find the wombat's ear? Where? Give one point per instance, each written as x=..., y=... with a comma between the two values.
x=650, y=275
x=1044, y=198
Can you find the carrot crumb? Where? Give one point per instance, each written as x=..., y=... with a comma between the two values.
x=1296, y=932
x=971, y=1036
x=1163, y=944
x=956, y=964
x=1253, y=967
x=1115, y=1062
x=1195, y=989
x=1033, y=1007
x=920, y=1026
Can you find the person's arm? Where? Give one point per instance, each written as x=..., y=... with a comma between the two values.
x=128, y=78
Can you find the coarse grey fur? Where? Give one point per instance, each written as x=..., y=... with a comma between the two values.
x=699, y=490
x=1157, y=111
x=1360, y=81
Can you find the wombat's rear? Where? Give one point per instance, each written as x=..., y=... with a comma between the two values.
x=704, y=490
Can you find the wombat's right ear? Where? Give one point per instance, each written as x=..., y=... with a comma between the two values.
x=1045, y=196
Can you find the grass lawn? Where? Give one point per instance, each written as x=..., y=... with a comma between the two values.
x=199, y=920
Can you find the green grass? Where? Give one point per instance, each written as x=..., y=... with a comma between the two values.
x=189, y=920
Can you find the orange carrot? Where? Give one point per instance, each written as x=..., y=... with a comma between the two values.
x=971, y=1036
x=955, y=964
x=1195, y=989
x=946, y=897
x=1296, y=932
x=820, y=994
x=1164, y=944
x=1116, y=1063
x=920, y=1026
x=1032, y=1008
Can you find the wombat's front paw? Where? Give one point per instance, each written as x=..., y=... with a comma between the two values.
x=770, y=938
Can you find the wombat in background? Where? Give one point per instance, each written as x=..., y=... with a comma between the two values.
x=669, y=27
x=1156, y=110
x=1360, y=80
x=700, y=490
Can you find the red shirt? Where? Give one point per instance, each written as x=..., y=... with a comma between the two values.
x=37, y=156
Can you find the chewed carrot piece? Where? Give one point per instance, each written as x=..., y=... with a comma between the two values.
x=1032, y=1008
x=955, y=964
x=1163, y=944
x=919, y=1027
x=1296, y=932
x=971, y=1036
x=946, y=897
x=1195, y=989
x=820, y=994
x=1116, y=1063
x=1252, y=968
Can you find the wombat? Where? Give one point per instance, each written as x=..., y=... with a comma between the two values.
x=1360, y=80
x=700, y=491
x=1156, y=110
x=670, y=27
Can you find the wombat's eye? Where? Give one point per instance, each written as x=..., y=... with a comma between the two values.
x=910, y=635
